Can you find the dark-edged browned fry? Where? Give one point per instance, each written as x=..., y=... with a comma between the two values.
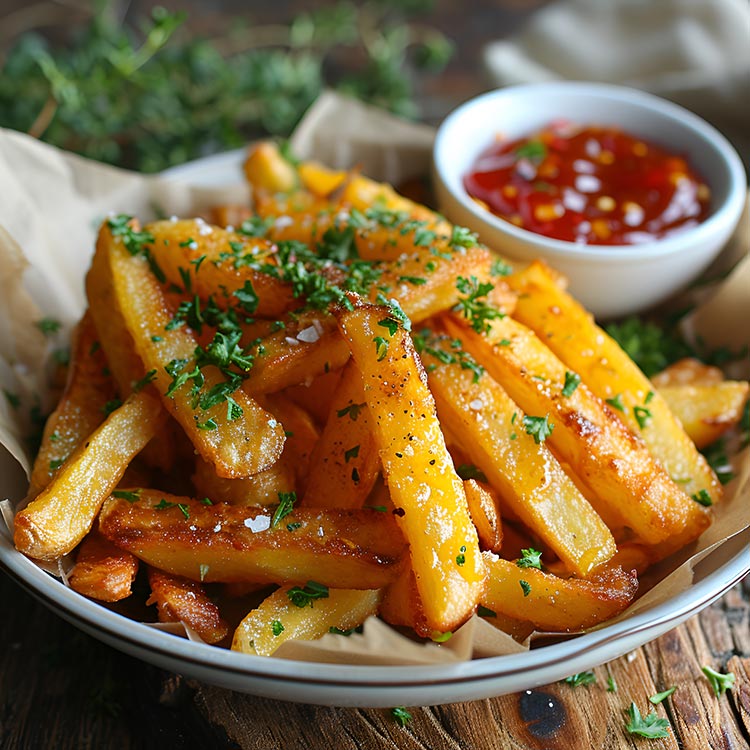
x=64, y=512
x=103, y=571
x=610, y=374
x=612, y=462
x=552, y=603
x=345, y=548
x=483, y=511
x=179, y=599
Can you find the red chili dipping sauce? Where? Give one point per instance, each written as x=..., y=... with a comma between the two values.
x=587, y=184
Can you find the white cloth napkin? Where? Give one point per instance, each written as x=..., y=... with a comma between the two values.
x=694, y=52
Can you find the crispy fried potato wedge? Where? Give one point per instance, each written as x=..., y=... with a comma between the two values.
x=483, y=511
x=345, y=462
x=479, y=416
x=179, y=599
x=609, y=373
x=259, y=490
x=279, y=619
x=103, y=571
x=81, y=408
x=706, y=411
x=688, y=371
x=552, y=603
x=402, y=607
x=610, y=460
x=213, y=262
x=64, y=512
x=239, y=447
x=431, y=506
x=359, y=549
x=266, y=169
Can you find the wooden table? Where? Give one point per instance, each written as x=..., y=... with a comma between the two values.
x=62, y=689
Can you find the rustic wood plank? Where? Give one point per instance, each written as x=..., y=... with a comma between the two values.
x=739, y=698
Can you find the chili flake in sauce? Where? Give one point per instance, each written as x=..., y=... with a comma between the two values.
x=591, y=185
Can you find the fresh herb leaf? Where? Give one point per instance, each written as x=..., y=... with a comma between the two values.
x=48, y=326
x=149, y=377
x=540, y=428
x=285, y=506
x=703, y=498
x=461, y=557
x=642, y=415
x=247, y=297
x=651, y=726
x=531, y=558
x=401, y=716
x=277, y=628
x=580, y=678
x=500, y=267
x=483, y=611
x=718, y=681
x=381, y=347
x=301, y=597
x=463, y=237
x=352, y=410
x=351, y=453
x=525, y=587
x=535, y=151
x=657, y=698
x=572, y=381
x=130, y=495
x=616, y=402
x=475, y=309
x=469, y=471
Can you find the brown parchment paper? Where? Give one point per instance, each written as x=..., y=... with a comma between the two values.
x=51, y=203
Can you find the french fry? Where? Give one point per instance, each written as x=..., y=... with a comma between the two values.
x=263, y=488
x=179, y=599
x=238, y=447
x=610, y=374
x=345, y=462
x=316, y=395
x=552, y=603
x=88, y=391
x=402, y=607
x=478, y=414
x=430, y=502
x=64, y=512
x=103, y=571
x=278, y=619
x=483, y=512
x=688, y=371
x=706, y=412
x=583, y=431
x=266, y=169
x=360, y=549
x=213, y=262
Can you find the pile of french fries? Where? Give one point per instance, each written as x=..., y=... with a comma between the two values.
x=338, y=405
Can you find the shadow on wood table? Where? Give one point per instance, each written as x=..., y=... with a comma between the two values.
x=61, y=689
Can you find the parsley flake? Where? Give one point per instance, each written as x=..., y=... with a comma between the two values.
x=351, y=453
x=381, y=347
x=476, y=310
x=657, y=698
x=301, y=597
x=277, y=628
x=525, y=587
x=352, y=410
x=651, y=726
x=470, y=471
x=616, y=402
x=580, y=678
x=572, y=381
x=531, y=558
x=130, y=495
x=285, y=506
x=540, y=428
x=703, y=498
x=718, y=681
x=401, y=715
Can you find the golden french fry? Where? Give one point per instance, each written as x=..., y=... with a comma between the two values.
x=483, y=511
x=612, y=462
x=480, y=417
x=179, y=599
x=103, y=571
x=81, y=409
x=279, y=618
x=316, y=395
x=64, y=512
x=238, y=437
x=359, y=549
x=706, y=412
x=430, y=502
x=345, y=462
x=688, y=371
x=552, y=603
x=610, y=374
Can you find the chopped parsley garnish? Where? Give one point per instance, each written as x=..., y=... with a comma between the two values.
x=540, y=428
x=642, y=415
x=394, y=312
x=427, y=342
x=284, y=508
x=718, y=681
x=702, y=498
x=531, y=558
x=149, y=377
x=54, y=465
x=401, y=715
x=415, y=280
x=352, y=410
x=48, y=326
x=184, y=509
x=717, y=458
x=437, y=637
x=580, y=678
x=657, y=698
x=461, y=557
x=277, y=628
x=293, y=526
x=209, y=425
x=135, y=241
x=572, y=381
x=163, y=504
x=525, y=587
x=470, y=471
x=381, y=347
x=347, y=632
x=463, y=237
x=651, y=726
x=130, y=495
x=476, y=310
x=483, y=611
x=616, y=402
x=301, y=597
x=206, y=501
x=351, y=453
x=611, y=684
x=111, y=406
x=338, y=244
x=256, y=226
x=247, y=297
x=500, y=267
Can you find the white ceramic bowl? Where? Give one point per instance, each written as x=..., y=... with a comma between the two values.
x=610, y=280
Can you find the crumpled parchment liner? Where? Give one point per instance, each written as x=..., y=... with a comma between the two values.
x=51, y=204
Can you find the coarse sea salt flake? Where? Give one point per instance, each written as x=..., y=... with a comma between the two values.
x=259, y=523
x=217, y=528
x=309, y=335
x=476, y=404
x=283, y=222
x=290, y=340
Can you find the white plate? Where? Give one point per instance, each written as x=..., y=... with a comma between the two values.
x=372, y=686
